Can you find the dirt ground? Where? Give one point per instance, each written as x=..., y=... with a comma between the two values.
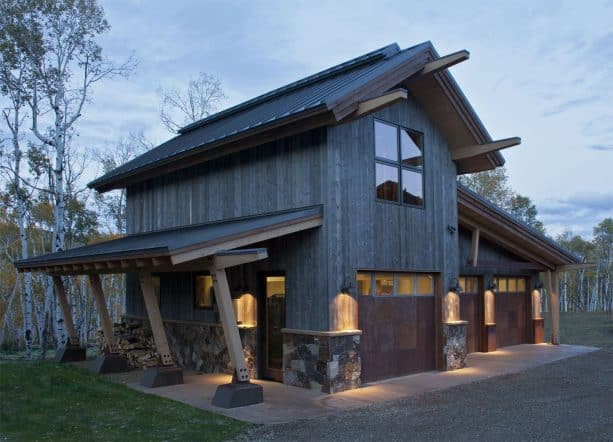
x=567, y=400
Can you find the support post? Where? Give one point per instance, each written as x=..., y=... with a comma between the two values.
x=554, y=306
x=109, y=361
x=474, y=249
x=72, y=351
x=168, y=373
x=240, y=392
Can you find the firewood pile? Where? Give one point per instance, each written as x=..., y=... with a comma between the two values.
x=135, y=342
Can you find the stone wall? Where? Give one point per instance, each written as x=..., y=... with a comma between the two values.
x=201, y=347
x=454, y=341
x=328, y=363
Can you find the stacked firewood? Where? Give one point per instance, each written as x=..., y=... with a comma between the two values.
x=135, y=342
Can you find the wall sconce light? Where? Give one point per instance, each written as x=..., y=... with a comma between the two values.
x=456, y=287
x=347, y=288
x=539, y=285
x=491, y=285
x=451, y=229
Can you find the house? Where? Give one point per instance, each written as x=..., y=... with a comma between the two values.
x=316, y=235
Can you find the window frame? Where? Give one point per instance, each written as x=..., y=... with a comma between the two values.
x=194, y=294
x=398, y=163
x=395, y=274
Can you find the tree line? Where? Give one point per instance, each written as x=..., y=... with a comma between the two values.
x=50, y=61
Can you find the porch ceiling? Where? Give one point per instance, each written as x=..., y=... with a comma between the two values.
x=173, y=249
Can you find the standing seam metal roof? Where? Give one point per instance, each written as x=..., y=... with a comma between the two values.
x=307, y=94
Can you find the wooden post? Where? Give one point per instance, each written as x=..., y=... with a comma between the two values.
x=155, y=318
x=554, y=305
x=228, y=322
x=107, y=324
x=60, y=293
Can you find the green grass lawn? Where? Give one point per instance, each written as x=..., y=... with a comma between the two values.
x=46, y=401
x=595, y=329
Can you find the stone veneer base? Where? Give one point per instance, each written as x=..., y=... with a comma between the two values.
x=454, y=345
x=329, y=362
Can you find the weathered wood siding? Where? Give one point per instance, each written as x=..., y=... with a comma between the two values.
x=285, y=174
x=367, y=234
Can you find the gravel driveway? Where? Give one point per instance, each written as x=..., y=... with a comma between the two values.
x=567, y=400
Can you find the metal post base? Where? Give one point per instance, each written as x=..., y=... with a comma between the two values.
x=238, y=394
x=109, y=363
x=489, y=338
x=155, y=377
x=70, y=353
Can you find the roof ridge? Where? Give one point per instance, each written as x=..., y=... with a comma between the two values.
x=384, y=52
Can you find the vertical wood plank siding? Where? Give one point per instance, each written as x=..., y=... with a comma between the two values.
x=284, y=174
x=366, y=234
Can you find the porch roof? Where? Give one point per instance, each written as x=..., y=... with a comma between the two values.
x=175, y=247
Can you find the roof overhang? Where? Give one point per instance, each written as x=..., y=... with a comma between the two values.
x=180, y=249
x=497, y=226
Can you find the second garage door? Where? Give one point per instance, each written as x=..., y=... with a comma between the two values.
x=511, y=311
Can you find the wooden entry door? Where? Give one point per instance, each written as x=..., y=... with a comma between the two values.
x=512, y=311
x=471, y=310
x=272, y=317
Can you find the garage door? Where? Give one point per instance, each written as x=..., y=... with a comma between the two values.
x=471, y=310
x=511, y=311
x=396, y=316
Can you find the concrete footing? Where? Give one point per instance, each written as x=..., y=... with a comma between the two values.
x=109, y=363
x=70, y=353
x=162, y=376
x=238, y=394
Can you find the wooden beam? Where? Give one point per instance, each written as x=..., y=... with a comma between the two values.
x=251, y=238
x=155, y=318
x=228, y=322
x=107, y=324
x=480, y=149
x=474, y=249
x=445, y=62
x=233, y=258
x=60, y=293
x=569, y=267
x=371, y=105
x=555, y=308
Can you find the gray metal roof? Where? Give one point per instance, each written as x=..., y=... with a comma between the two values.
x=165, y=242
x=319, y=90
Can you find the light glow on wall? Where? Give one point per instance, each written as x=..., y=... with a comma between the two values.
x=245, y=309
x=536, y=304
x=490, y=307
x=451, y=307
x=344, y=313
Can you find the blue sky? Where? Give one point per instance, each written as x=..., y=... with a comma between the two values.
x=539, y=70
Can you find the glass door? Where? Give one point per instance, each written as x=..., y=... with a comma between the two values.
x=275, y=321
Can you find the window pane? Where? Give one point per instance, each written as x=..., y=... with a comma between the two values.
x=384, y=283
x=412, y=192
x=425, y=284
x=411, y=148
x=386, y=141
x=203, y=291
x=387, y=182
x=406, y=284
x=364, y=284
x=512, y=285
x=502, y=284
x=521, y=285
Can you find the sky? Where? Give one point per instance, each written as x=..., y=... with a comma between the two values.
x=542, y=71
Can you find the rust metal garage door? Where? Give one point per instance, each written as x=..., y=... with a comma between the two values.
x=511, y=311
x=471, y=310
x=398, y=335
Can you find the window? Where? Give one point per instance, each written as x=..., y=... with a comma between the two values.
x=469, y=284
x=395, y=284
x=399, y=164
x=204, y=293
x=510, y=285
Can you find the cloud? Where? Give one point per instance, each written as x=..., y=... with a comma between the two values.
x=579, y=212
x=600, y=147
x=570, y=104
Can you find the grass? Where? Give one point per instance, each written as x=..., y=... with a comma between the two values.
x=46, y=401
x=595, y=329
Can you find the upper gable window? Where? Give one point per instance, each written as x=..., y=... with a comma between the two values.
x=399, y=164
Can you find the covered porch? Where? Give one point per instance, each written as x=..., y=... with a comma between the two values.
x=209, y=247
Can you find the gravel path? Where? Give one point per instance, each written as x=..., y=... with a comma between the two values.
x=567, y=400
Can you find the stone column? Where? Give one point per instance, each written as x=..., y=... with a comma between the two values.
x=454, y=349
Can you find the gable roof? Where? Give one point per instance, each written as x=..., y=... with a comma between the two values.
x=502, y=228
x=326, y=98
